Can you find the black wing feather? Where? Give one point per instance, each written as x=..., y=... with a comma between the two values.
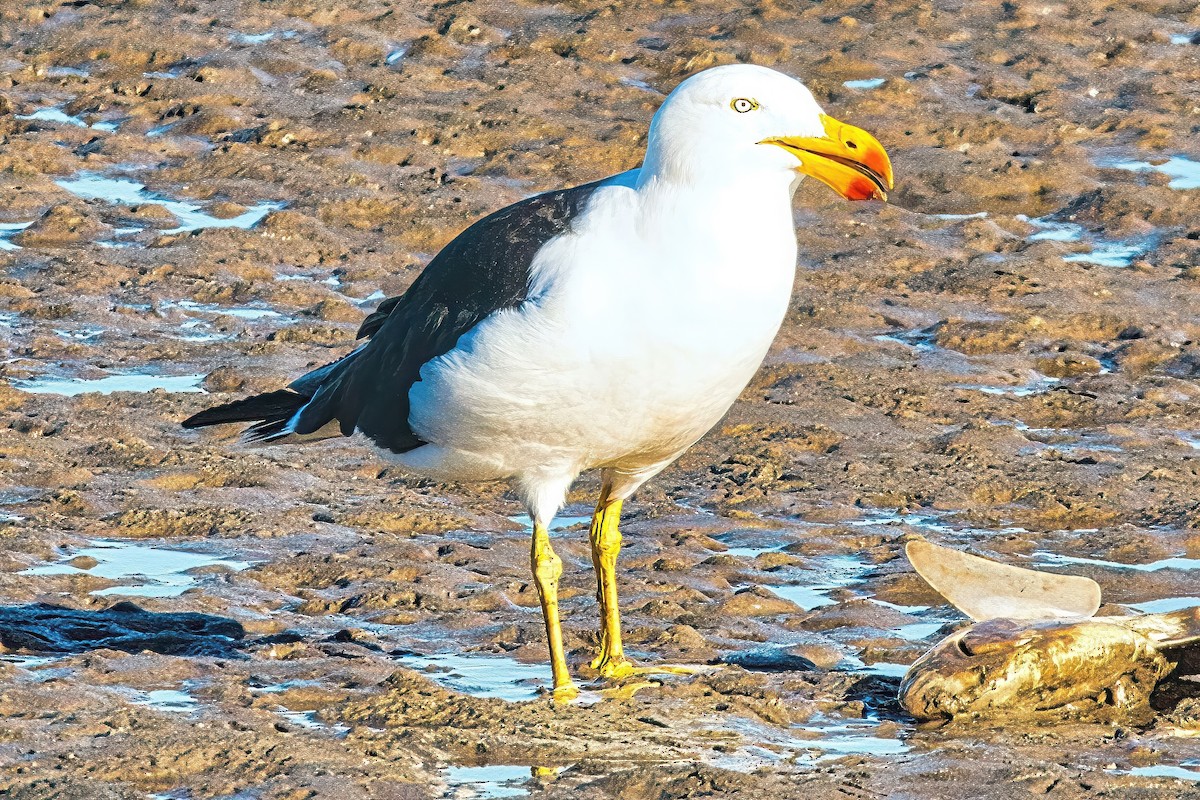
x=484, y=269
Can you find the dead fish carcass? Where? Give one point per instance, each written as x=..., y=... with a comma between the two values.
x=1047, y=653
x=1009, y=667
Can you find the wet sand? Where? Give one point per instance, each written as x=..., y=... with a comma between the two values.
x=210, y=196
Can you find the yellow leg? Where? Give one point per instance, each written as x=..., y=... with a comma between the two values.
x=606, y=546
x=547, y=569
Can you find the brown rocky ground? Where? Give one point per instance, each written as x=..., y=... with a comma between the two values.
x=1005, y=357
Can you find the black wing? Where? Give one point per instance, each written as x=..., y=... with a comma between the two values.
x=484, y=269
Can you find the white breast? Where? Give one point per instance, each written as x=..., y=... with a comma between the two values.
x=644, y=326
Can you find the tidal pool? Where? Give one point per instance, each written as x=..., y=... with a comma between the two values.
x=147, y=571
x=132, y=382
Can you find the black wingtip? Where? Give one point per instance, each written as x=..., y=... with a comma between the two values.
x=267, y=410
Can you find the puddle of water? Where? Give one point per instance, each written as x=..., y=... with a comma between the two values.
x=177, y=700
x=640, y=84
x=480, y=675
x=868, y=83
x=1183, y=172
x=1187, y=771
x=753, y=552
x=64, y=72
x=886, y=669
x=1111, y=254
x=898, y=607
x=332, y=280
x=56, y=114
x=280, y=688
x=1165, y=606
x=956, y=217
x=121, y=191
x=1037, y=385
x=196, y=331
x=249, y=312
x=558, y=523
x=923, y=340
x=918, y=631
x=1175, y=562
x=850, y=737
x=252, y=38
x=10, y=229
x=154, y=571
x=1051, y=231
x=81, y=335
x=1192, y=440
x=497, y=781
x=1105, y=254
x=69, y=387
x=873, y=517
x=310, y=720
x=836, y=572
x=28, y=662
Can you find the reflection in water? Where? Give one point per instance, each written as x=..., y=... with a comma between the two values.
x=56, y=114
x=868, y=83
x=122, y=191
x=70, y=387
x=495, y=781
x=1183, y=172
x=150, y=571
x=481, y=675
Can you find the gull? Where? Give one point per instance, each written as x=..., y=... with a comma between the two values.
x=603, y=327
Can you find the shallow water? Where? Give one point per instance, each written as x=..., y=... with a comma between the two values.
x=28, y=662
x=1174, y=562
x=1187, y=771
x=885, y=669
x=248, y=312
x=848, y=737
x=495, y=781
x=1115, y=254
x=1165, y=606
x=832, y=572
x=481, y=675
x=1053, y=231
x=148, y=571
x=824, y=737
x=1109, y=254
x=560, y=523
x=1039, y=384
x=70, y=387
x=1183, y=172
x=918, y=631
x=960, y=217
x=10, y=229
x=122, y=191
x=310, y=720
x=177, y=700
x=868, y=83
x=251, y=38
x=56, y=114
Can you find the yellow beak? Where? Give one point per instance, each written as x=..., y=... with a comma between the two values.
x=846, y=159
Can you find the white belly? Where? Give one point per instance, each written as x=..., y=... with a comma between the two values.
x=625, y=362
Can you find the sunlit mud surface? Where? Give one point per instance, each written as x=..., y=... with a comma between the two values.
x=210, y=196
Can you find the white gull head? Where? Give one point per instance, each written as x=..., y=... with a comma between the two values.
x=743, y=122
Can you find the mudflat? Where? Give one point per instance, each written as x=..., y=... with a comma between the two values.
x=209, y=196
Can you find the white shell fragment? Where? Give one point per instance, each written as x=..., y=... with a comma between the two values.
x=984, y=589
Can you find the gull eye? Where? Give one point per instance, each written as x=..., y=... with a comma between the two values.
x=743, y=104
